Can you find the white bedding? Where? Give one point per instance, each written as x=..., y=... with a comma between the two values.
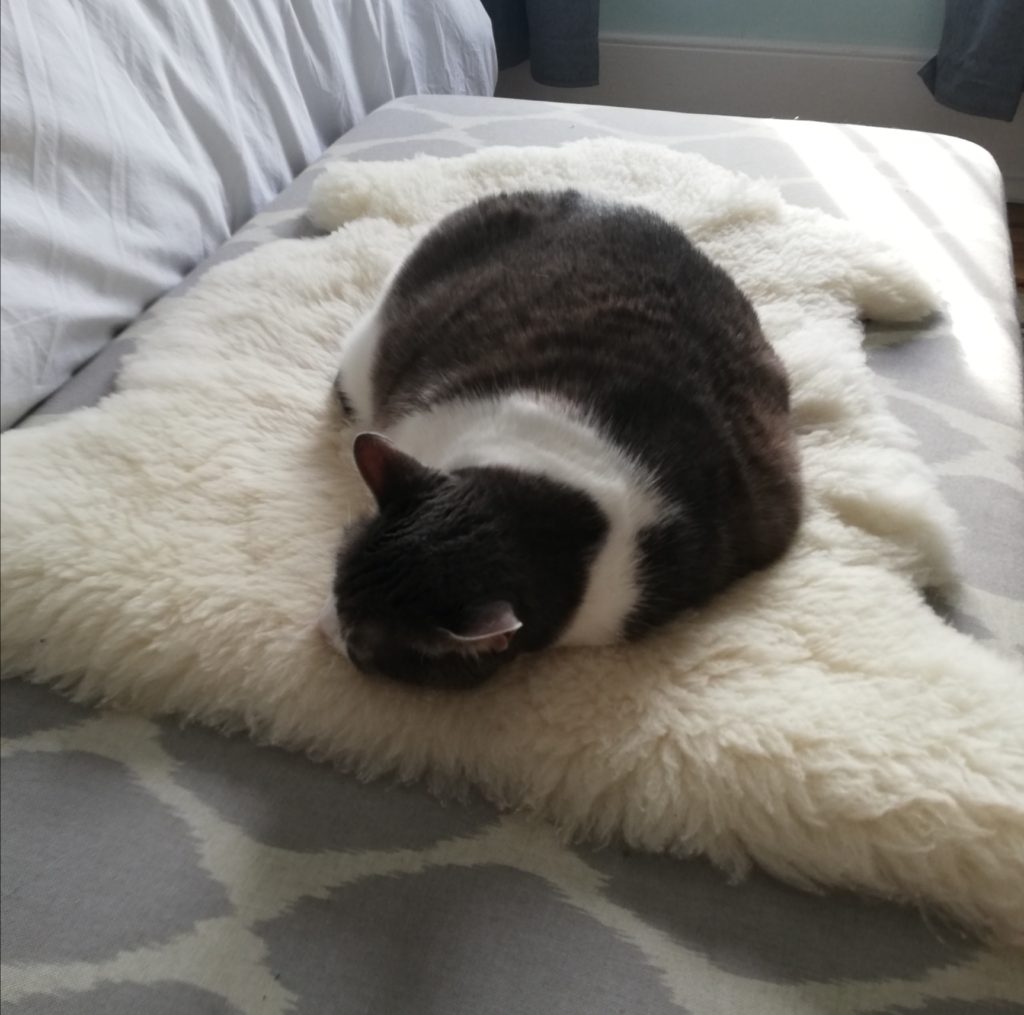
x=138, y=136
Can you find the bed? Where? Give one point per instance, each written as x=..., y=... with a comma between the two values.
x=150, y=866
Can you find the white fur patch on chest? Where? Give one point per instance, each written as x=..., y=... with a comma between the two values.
x=545, y=436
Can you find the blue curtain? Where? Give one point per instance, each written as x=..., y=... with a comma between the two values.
x=558, y=36
x=979, y=68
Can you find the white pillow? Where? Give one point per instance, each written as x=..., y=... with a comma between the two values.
x=138, y=136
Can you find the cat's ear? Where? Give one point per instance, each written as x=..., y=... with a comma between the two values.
x=385, y=470
x=489, y=629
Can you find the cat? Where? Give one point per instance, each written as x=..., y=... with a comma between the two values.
x=574, y=430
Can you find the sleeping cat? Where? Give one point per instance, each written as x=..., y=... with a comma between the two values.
x=573, y=429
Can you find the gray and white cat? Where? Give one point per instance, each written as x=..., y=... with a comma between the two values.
x=573, y=428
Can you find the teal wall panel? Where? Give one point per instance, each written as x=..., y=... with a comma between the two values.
x=897, y=24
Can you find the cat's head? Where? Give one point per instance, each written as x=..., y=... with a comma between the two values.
x=424, y=589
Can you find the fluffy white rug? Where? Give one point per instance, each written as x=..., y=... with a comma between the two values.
x=170, y=550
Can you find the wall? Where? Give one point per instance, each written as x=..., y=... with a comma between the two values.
x=897, y=24
x=839, y=61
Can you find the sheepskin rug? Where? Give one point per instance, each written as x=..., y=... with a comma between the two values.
x=170, y=550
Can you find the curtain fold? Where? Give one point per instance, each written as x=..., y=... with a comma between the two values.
x=979, y=67
x=558, y=36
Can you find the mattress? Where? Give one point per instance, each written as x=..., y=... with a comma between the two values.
x=152, y=867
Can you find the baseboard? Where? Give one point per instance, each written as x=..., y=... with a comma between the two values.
x=740, y=77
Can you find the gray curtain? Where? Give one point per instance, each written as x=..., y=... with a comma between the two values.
x=558, y=36
x=979, y=68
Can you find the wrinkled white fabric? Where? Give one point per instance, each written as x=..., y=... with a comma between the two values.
x=138, y=136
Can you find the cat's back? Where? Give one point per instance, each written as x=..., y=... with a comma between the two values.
x=562, y=294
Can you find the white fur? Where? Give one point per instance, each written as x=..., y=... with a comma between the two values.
x=354, y=377
x=547, y=437
x=330, y=626
x=170, y=549
x=355, y=369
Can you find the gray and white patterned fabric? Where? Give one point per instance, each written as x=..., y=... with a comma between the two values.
x=152, y=868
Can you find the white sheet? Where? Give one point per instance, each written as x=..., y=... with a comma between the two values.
x=138, y=136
